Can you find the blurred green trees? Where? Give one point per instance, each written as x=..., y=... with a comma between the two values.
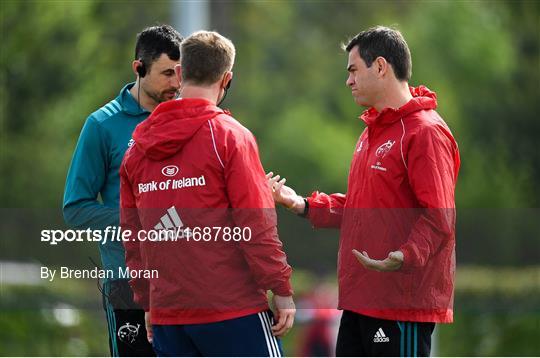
x=61, y=60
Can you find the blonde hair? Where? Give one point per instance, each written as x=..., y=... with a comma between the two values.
x=205, y=57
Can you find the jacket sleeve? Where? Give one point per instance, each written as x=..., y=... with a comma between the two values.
x=253, y=207
x=433, y=165
x=85, y=179
x=129, y=220
x=326, y=211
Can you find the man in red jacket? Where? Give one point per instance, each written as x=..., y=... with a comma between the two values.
x=396, y=258
x=194, y=173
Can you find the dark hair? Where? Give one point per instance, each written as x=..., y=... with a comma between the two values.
x=155, y=40
x=206, y=56
x=385, y=42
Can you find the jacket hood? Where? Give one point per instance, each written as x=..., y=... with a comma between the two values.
x=423, y=98
x=171, y=126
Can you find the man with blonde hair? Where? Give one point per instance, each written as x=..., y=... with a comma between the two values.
x=195, y=170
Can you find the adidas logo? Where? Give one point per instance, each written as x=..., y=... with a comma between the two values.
x=166, y=222
x=171, y=220
x=380, y=337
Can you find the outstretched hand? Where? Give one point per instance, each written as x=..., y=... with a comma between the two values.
x=393, y=262
x=284, y=194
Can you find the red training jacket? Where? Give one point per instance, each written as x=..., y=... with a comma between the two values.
x=194, y=167
x=400, y=196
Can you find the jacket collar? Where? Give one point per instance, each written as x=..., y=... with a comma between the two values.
x=423, y=98
x=172, y=125
x=128, y=103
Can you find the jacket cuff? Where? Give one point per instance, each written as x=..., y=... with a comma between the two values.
x=142, y=301
x=311, y=204
x=410, y=257
x=284, y=290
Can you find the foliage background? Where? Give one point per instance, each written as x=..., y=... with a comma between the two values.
x=60, y=60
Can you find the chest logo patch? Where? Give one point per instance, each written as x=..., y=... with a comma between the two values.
x=380, y=153
x=384, y=149
x=170, y=170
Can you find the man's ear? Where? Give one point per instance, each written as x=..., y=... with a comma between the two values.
x=178, y=72
x=227, y=78
x=382, y=66
x=135, y=65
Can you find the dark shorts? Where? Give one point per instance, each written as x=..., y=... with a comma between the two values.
x=238, y=337
x=361, y=335
x=125, y=322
